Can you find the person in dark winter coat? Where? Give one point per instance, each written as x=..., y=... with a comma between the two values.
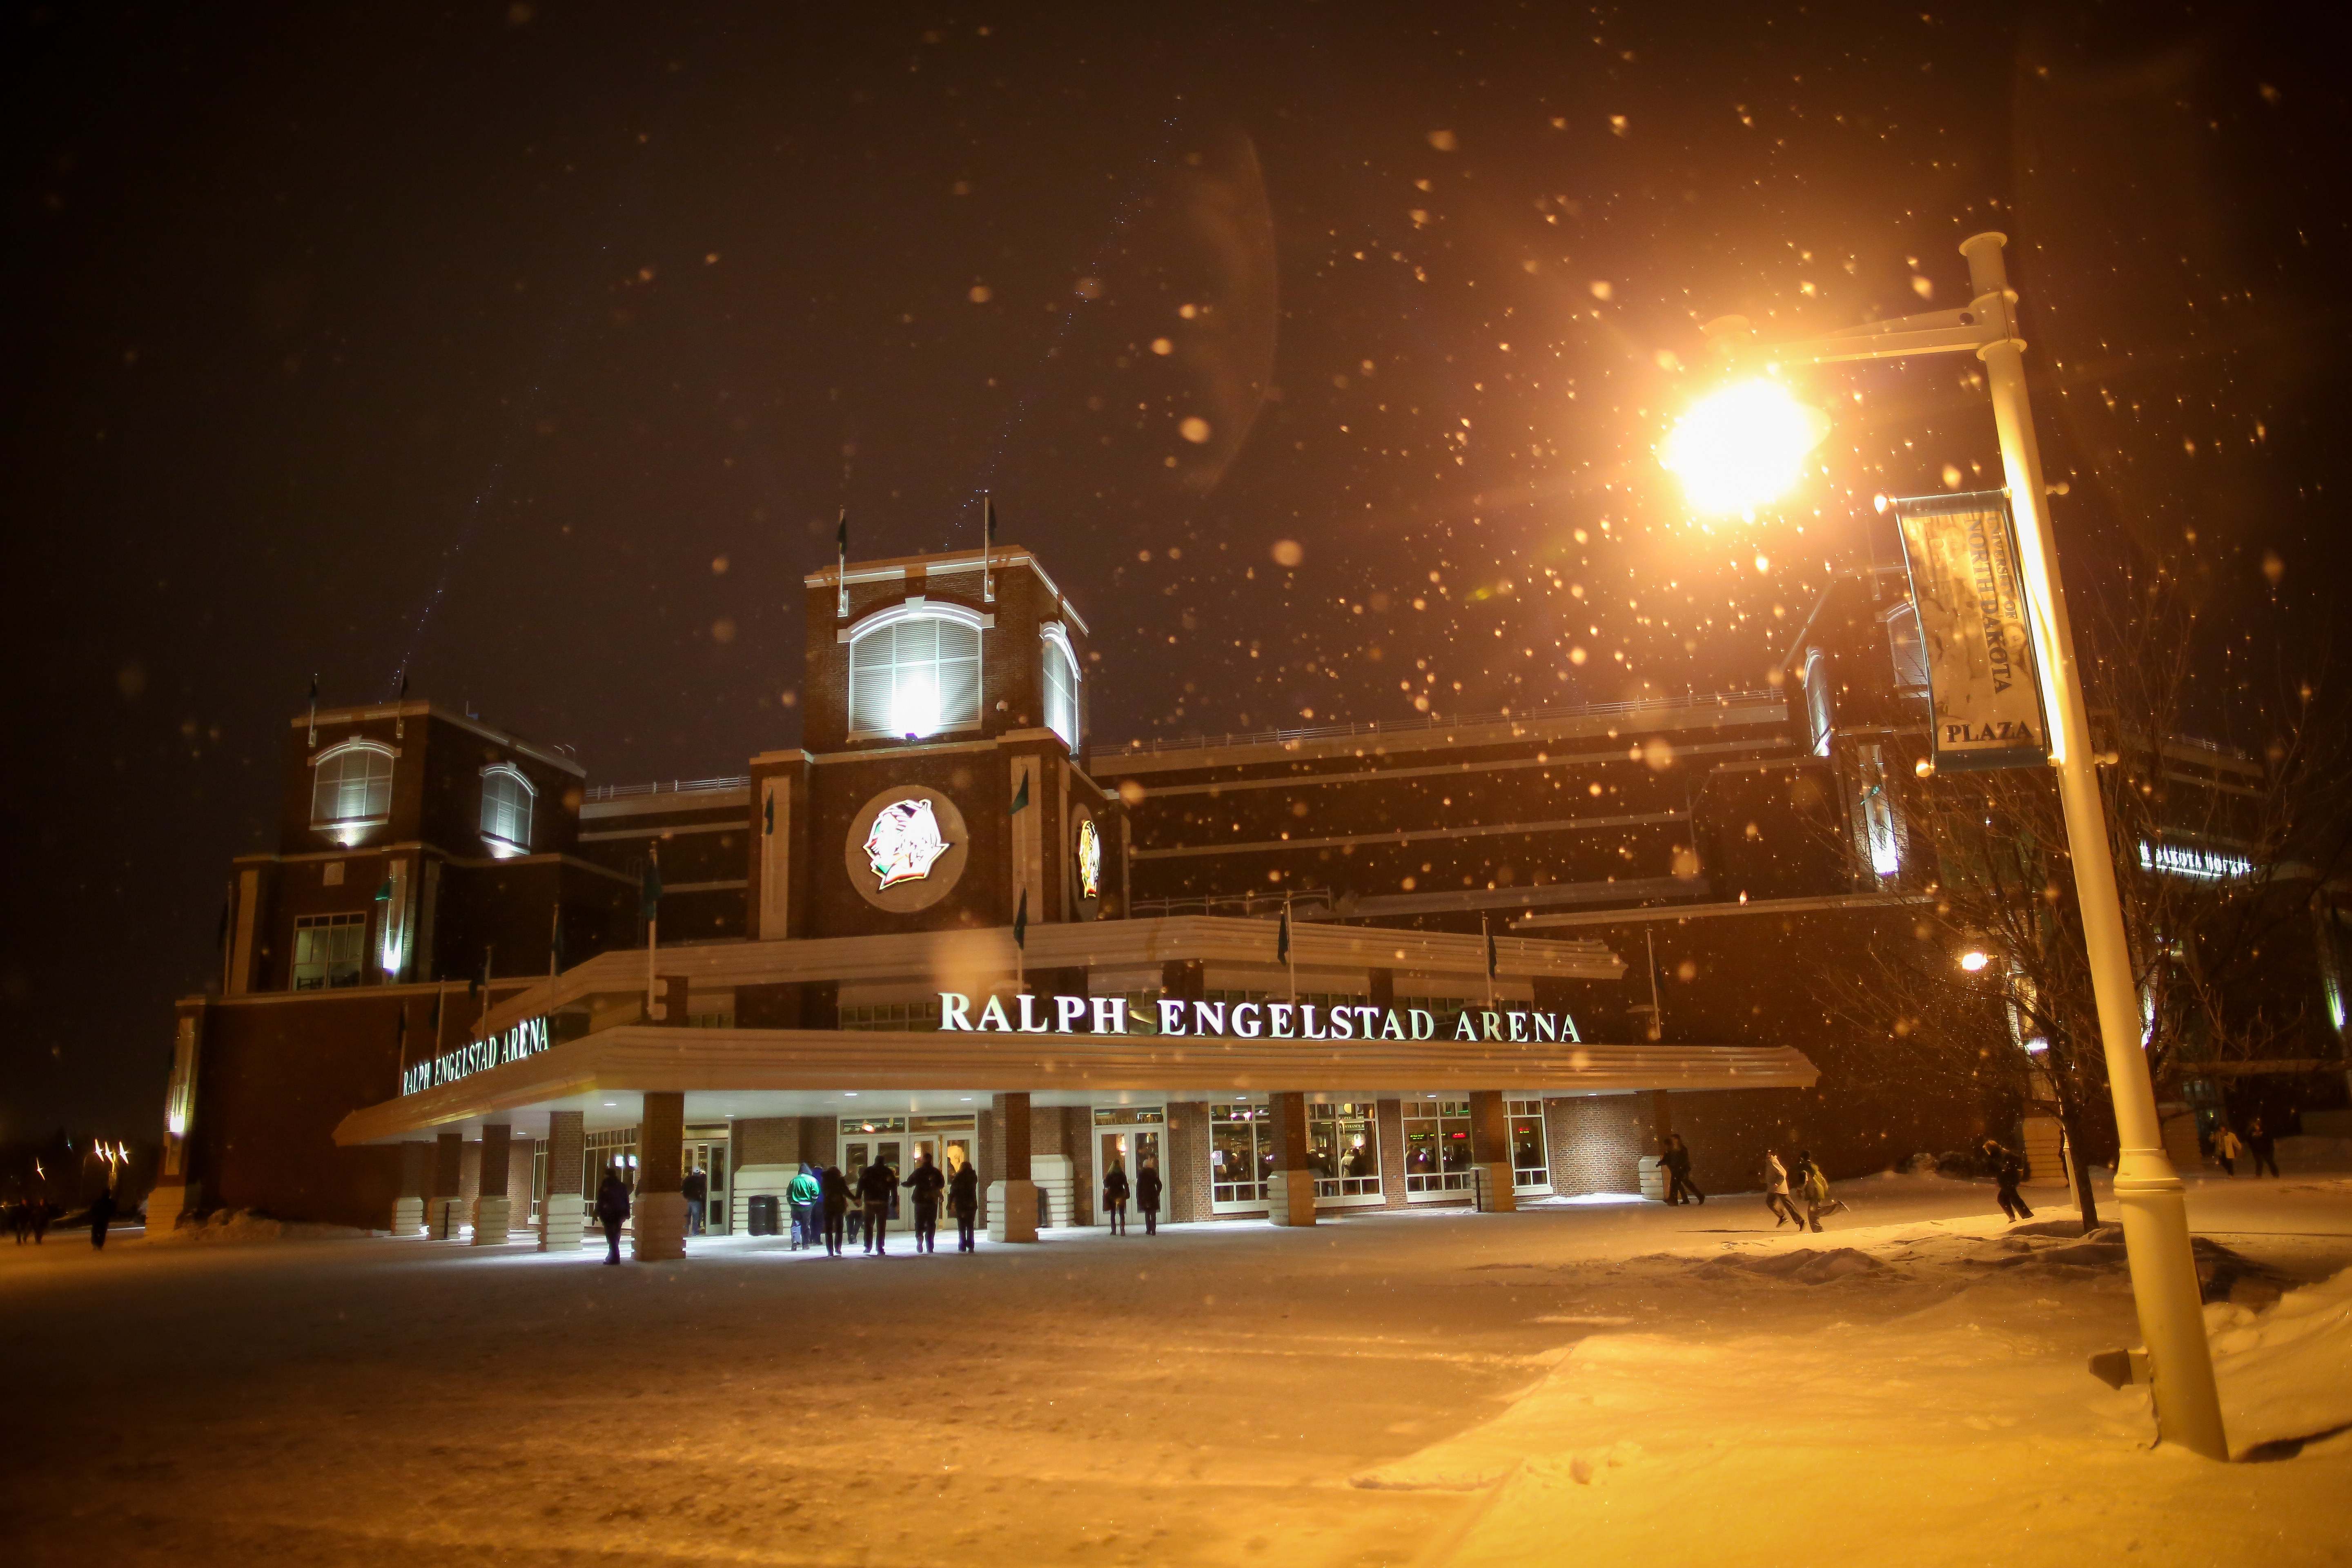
x=964, y=1202
x=696, y=1191
x=1676, y=1159
x=2008, y=1170
x=877, y=1184
x=1115, y=1194
x=1146, y=1197
x=612, y=1208
x=42, y=1213
x=2262, y=1146
x=927, y=1183
x=100, y=1213
x=835, y=1188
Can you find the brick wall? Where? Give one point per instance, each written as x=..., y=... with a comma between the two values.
x=1595, y=1142
x=1187, y=1197
x=767, y=1140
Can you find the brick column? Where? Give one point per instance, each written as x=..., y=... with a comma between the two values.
x=446, y=1211
x=657, y=1213
x=415, y=1177
x=1653, y=1174
x=493, y=1208
x=1290, y=1186
x=1490, y=1147
x=1013, y=1201
x=561, y=1218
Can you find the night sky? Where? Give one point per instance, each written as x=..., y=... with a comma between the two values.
x=1320, y=352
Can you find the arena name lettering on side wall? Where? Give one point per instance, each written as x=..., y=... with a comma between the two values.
x=526, y=1039
x=1252, y=1020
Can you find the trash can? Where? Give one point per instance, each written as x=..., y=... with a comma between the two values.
x=766, y=1209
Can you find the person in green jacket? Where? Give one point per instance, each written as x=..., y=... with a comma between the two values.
x=805, y=1194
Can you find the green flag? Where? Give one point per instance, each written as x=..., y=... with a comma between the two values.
x=1282, y=938
x=649, y=895
x=1020, y=922
x=1021, y=796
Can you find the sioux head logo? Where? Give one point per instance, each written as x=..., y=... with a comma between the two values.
x=904, y=842
x=1089, y=861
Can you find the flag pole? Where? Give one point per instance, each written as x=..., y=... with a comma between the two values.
x=987, y=548
x=841, y=576
x=653, y=927
x=1289, y=952
x=1487, y=940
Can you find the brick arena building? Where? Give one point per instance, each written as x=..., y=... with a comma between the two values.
x=1477, y=960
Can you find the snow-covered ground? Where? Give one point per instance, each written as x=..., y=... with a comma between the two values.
x=1602, y=1383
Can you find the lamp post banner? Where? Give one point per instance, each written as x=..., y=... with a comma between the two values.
x=1961, y=551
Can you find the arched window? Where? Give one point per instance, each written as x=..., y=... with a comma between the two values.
x=915, y=671
x=1061, y=686
x=351, y=784
x=506, y=799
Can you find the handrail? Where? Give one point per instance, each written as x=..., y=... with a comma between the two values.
x=1436, y=722
x=675, y=787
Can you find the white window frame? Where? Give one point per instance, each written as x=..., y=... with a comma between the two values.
x=498, y=841
x=1517, y=1110
x=1339, y=1191
x=1056, y=638
x=365, y=819
x=917, y=609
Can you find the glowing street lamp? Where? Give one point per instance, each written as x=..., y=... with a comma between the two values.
x=1974, y=962
x=1739, y=448
x=1747, y=461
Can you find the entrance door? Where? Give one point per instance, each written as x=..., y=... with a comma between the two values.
x=876, y=1148
x=1128, y=1148
x=710, y=1156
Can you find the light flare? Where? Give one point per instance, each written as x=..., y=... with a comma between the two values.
x=1739, y=448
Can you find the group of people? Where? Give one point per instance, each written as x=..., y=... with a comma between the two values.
x=1146, y=1192
x=1810, y=1182
x=28, y=1219
x=837, y=1208
x=2229, y=1148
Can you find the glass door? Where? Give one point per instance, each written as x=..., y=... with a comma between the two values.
x=708, y=1155
x=1128, y=1149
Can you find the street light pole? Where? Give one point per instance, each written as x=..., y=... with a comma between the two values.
x=2149, y=1191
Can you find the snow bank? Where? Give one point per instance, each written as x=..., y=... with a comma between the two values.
x=246, y=1224
x=2286, y=1371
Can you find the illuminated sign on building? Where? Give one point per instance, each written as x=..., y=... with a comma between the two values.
x=904, y=842
x=1252, y=1020
x=1089, y=860
x=2188, y=860
x=526, y=1039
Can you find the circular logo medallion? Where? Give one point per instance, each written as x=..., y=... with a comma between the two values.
x=906, y=848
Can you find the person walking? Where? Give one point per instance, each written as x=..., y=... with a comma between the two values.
x=806, y=1195
x=1115, y=1195
x=876, y=1186
x=2226, y=1149
x=927, y=1183
x=1676, y=1158
x=20, y=1220
x=696, y=1191
x=836, y=1195
x=2262, y=1146
x=1776, y=1191
x=612, y=1208
x=964, y=1200
x=100, y=1213
x=1815, y=1186
x=2008, y=1170
x=1146, y=1197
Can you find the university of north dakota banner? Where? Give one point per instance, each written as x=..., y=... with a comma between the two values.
x=1987, y=693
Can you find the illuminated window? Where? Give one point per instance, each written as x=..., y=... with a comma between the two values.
x=327, y=949
x=1343, y=1148
x=351, y=784
x=1241, y=1156
x=1530, y=1164
x=507, y=798
x=1061, y=686
x=914, y=673
x=1436, y=1147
